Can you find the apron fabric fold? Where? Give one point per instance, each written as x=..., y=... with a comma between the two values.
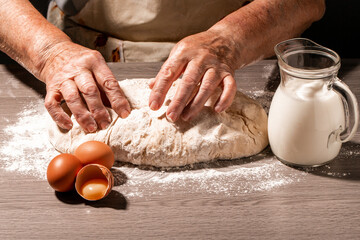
x=138, y=31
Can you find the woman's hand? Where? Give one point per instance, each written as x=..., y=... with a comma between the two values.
x=78, y=75
x=207, y=60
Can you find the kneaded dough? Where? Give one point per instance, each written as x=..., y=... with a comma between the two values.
x=146, y=137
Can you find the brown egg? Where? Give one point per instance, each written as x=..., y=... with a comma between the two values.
x=62, y=171
x=94, y=182
x=94, y=152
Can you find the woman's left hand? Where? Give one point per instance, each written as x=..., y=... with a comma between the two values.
x=207, y=60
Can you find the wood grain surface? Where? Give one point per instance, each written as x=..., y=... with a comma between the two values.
x=323, y=204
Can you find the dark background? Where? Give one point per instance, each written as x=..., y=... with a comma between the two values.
x=338, y=29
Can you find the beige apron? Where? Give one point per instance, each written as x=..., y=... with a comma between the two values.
x=139, y=30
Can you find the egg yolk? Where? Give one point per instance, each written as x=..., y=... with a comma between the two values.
x=94, y=189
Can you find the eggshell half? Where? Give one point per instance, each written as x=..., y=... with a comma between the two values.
x=94, y=172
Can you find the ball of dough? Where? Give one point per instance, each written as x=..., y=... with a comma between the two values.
x=146, y=137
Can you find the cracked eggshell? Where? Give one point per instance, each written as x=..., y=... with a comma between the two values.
x=94, y=173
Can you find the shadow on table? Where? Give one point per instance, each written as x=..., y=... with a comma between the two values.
x=345, y=166
x=273, y=80
x=27, y=78
x=114, y=200
x=221, y=163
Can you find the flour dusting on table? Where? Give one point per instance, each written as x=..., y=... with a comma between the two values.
x=233, y=180
x=26, y=150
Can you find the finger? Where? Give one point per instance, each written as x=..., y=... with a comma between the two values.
x=210, y=82
x=110, y=86
x=172, y=68
x=73, y=99
x=169, y=72
x=52, y=104
x=227, y=95
x=152, y=82
x=189, y=82
x=87, y=86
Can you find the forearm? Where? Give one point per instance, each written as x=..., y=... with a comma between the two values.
x=258, y=26
x=26, y=36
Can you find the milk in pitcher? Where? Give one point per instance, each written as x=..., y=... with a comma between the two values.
x=303, y=129
x=312, y=112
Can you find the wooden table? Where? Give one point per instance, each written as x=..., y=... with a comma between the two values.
x=322, y=203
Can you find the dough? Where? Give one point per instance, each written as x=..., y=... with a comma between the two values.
x=146, y=137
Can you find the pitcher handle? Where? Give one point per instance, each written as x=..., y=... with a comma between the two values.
x=351, y=109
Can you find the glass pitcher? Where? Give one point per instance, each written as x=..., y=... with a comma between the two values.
x=312, y=112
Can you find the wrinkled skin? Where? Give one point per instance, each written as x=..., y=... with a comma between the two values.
x=207, y=60
x=78, y=75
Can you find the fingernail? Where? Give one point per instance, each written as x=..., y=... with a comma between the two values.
x=154, y=105
x=124, y=113
x=104, y=125
x=68, y=126
x=151, y=84
x=218, y=109
x=92, y=128
x=185, y=117
x=172, y=116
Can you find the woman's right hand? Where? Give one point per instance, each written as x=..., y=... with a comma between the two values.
x=78, y=75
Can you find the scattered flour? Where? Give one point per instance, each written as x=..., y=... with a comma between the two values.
x=26, y=150
x=233, y=180
x=261, y=96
